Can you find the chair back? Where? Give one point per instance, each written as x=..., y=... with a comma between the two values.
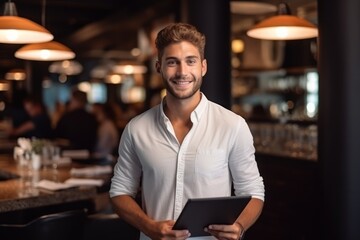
x=68, y=225
x=108, y=227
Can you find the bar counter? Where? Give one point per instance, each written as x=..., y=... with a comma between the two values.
x=20, y=193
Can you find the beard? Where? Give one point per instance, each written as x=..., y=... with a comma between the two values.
x=182, y=94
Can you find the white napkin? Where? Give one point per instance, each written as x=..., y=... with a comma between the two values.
x=71, y=182
x=91, y=171
x=52, y=186
x=84, y=182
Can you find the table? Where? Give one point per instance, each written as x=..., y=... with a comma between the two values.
x=20, y=194
x=7, y=145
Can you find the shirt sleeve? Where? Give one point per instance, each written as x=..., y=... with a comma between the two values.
x=127, y=170
x=243, y=166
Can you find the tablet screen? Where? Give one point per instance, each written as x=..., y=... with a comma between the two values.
x=199, y=213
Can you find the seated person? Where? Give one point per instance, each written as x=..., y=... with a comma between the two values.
x=108, y=134
x=39, y=123
x=77, y=125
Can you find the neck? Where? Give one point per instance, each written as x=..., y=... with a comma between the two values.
x=180, y=109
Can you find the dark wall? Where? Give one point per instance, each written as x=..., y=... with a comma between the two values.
x=212, y=17
x=339, y=116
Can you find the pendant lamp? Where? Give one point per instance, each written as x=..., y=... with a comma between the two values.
x=45, y=51
x=67, y=67
x=16, y=75
x=283, y=27
x=18, y=30
x=48, y=51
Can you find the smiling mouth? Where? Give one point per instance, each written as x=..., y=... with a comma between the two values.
x=181, y=82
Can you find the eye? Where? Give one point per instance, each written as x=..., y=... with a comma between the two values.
x=171, y=63
x=191, y=61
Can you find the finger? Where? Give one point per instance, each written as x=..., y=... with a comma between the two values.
x=180, y=234
x=221, y=234
x=222, y=228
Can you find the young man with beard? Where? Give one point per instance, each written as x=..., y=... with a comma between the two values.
x=186, y=147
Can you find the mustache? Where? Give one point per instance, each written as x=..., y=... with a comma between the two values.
x=182, y=77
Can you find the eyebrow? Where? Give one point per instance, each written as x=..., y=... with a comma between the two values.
x=188, y=57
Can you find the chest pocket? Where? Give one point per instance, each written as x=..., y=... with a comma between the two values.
x=211, y=163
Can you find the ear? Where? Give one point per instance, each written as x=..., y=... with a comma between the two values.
x=158, y=67
x=203, y=67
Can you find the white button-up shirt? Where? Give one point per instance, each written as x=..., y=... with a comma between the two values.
x=217, y=151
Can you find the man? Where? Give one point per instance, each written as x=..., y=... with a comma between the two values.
x=77, y=125
x=39, y=124
x=186, y=147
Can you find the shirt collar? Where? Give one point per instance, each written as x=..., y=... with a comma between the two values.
x=194, y=116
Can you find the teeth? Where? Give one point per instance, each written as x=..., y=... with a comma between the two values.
x=181, y=82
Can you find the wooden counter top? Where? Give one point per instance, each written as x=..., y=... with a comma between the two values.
x=20, y=193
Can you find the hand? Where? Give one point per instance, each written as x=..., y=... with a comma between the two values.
x=225, y=232
x=163, y=231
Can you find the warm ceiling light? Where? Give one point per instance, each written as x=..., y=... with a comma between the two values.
x=67, y=67
x=48, y=51
x=283, y=27
x=129, y=69
x=113, y=79
x=237, y=45
x=18, y=30
x=4, y=86
x=15, y=74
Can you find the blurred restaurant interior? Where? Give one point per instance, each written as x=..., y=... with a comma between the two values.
x=298, y=96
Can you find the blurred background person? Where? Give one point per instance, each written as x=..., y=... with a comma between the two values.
x=16, y=111
x=108, y=133
x=77, y=125
x=39, y=123
x=60, y=109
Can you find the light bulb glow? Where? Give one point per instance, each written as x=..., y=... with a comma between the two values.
x=19, y=76
x=11, y=35
x=4, y=86
x=283, y=27
x=115, y=78
x=128, y=69
x=65, y=64
x=15, y=74
x=84, y=86
x=44, y=54
x=237, y=45
x=282, y=32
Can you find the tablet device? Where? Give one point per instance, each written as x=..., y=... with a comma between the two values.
x=199, y=213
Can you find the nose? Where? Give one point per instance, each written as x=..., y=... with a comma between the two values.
x=182, y=69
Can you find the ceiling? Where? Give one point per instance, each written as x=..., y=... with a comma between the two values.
x=91, y=28
x=98, y=28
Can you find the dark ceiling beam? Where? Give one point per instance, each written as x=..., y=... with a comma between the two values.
x=114, y=30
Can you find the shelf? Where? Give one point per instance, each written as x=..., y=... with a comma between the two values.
x=291, y=92
x=253, y=72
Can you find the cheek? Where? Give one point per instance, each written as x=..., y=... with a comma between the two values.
x=168, y=73
x=164, y=76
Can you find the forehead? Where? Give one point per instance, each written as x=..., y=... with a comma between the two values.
x=181, y=50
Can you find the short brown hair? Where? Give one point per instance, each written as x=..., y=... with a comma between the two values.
x=178, y=32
